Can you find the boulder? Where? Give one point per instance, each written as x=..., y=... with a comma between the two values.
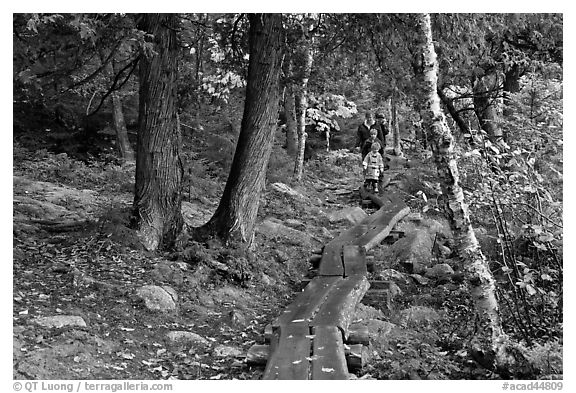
x=419, y=279
x=224, y=351
x=169, y=272
x=293, y=223
x=194, y=215
x=272, y=228
x=180, y=337
x=418, y=316
x=59, y=321
x=158, y=298
x=284, y=189
x=377, y=329
x=393, y=275
x=441, y=271
x=354, y=215
x=414, y=251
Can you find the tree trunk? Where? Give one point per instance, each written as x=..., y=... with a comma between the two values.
x=159, y=170
x=235, y=216
x=511, y=85
x=395, y=127
x=303, y=66
x=124, y=146
x=442, y=143
x=123, y=143
x=290, y=111
x=485, y=90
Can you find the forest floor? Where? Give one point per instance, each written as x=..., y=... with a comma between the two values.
x=78, y=269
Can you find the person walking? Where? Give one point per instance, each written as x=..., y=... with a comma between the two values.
x=363, y=132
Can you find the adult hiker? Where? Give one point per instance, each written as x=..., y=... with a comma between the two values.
x=382, y=128
x=364, y=130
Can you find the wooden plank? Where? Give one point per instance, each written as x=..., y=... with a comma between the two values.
x=377, y=199
x=394, y=214
x=328, y=356
x=331, y=262
x=338, y=309
x=291, y=359
x=307, y=303
x=354, y=260
x=350, y=236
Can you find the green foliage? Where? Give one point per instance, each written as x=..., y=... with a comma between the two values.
x=515, y=189
x=323, y=111
x=547, y=358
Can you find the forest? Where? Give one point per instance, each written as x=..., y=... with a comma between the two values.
x=175, y=176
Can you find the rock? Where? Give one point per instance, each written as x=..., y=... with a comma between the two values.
x=194, y=215
x=443, y=251
x=418, y=316
x=272, y=228
x=284, y=189
x=180, y=337
x=59, y=321
x=441, y=271
x=354, y=215
x=297, y=224
x=267, y=280
x=414, y=251
x=365, y=313
x=419, y=279
x=281, y=256
x=393, y=275
x=236, y=319
x=158, y=298
x=435, y=227
x=224, y=351
x=168, y=272
x=326, y=233
x=377, y=329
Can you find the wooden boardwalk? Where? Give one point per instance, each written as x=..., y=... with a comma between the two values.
x=307, y=340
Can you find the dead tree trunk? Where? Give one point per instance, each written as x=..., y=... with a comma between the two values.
x=235, y=216
x=159, y=170
x=442, y=143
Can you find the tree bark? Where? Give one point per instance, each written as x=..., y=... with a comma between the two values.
x=157, y=200
x=442, y=143
x=485, y=91
x=303, y=66
x=235, y=216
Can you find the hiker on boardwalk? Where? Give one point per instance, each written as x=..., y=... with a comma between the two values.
x=373, y=165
